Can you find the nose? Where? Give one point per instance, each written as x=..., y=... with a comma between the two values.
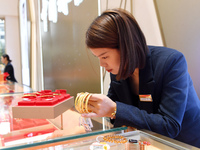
x=102, y=63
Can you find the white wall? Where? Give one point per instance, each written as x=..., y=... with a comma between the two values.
x=145, y=14
x=8, y=8
x=13, y=45
x=9, y=11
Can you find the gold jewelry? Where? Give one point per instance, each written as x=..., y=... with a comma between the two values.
x=56, y=94
x=113, y=115
x=76, y=101
x=81, y=102
x=115, y=139
x=86, y=103
x=47, y=96
x=29, y=95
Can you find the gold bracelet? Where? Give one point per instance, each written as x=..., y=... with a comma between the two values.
x=81, y=102
x=76, y=101
x=86, y=103
x=29, y=95
x=115, y=139
x=47, y=96
x=56, y=94
x=113, y=115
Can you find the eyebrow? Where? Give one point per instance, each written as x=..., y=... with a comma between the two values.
x=102, y=54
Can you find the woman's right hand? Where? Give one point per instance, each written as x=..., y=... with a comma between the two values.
x=101, y=106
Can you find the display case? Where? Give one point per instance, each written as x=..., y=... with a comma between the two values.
x=68, y=132
x=85, y=141
x=13, y=130
x=22, y=131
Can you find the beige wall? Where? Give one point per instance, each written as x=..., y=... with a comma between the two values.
x=180, y=21
x=144, y=12
x=9, y=11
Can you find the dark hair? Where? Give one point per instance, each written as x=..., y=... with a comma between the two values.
x=117, y=28
x=7, y=57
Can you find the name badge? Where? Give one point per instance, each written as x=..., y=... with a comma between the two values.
x=145, y=98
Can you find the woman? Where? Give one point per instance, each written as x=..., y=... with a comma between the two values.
x=5, y=59
x=150, y=86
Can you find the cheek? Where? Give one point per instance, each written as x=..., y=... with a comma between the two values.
x=117, y=62
x=116, y=65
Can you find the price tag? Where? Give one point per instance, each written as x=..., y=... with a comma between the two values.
x=86, y=123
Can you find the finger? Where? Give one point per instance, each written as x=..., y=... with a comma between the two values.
x=94, y=97
x=92, y=103
x=92, y=108
x=89, y=115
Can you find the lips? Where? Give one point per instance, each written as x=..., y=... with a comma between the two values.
x=108, y=70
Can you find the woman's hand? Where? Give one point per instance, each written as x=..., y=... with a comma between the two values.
x=100, y=105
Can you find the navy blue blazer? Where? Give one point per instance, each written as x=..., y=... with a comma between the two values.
x=9, y=69
x=175, y=109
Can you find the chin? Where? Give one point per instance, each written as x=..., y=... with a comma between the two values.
x=114, y=73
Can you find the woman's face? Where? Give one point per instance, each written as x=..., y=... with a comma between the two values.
x=3, y=60
x=109, y=58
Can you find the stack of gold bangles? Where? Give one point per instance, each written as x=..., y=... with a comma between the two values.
x=81, y=102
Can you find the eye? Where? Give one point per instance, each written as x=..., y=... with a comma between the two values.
x=104, y=57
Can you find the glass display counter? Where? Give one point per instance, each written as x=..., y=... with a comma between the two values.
x=7, y=87
x=24, y=131
x=19, y=133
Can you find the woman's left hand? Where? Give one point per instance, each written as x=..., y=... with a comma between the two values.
x=100, y=105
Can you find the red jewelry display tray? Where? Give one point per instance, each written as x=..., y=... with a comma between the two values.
x=43, y=105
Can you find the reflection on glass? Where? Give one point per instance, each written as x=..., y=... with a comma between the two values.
x=51, y=8
x=8, y=87
x=66, y=64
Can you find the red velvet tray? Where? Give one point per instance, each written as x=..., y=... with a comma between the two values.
x=44, y=104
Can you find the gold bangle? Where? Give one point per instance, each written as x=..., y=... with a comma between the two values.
x=115, y=139
x=86, y=103
x=56, y=94
x=76, y=101
x=29, y=95
x=46, y=96
x=81, y=102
